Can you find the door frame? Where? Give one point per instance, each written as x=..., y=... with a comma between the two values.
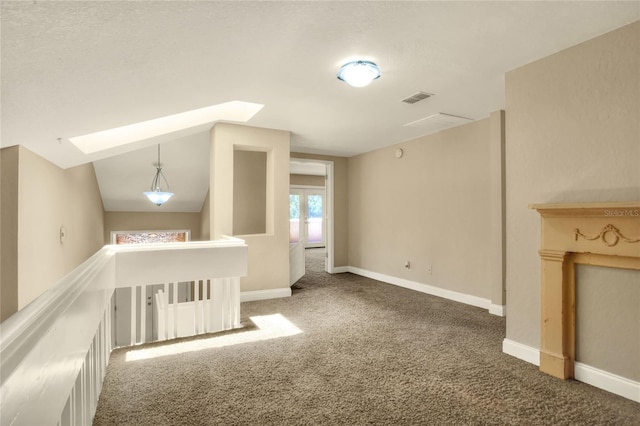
x=329, y=191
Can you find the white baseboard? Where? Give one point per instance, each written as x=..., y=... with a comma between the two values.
x=499, y=310
x=249, y=296
x=424, y=288
x=607, y=381
x=520, y=351
x=584, y=373
x=340, y=269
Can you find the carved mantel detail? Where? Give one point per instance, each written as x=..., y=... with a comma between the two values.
x=609, y=229
x=562, y=245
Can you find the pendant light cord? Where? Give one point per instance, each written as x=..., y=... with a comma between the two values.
x=156, y=179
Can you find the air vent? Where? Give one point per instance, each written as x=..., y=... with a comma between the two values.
x=437, y=122
x=417, y=97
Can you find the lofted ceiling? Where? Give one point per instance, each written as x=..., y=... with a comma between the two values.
x=74, y=68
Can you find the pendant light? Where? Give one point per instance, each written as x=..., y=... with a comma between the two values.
x=157, y=196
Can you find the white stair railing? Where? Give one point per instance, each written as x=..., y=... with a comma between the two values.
x=54, y=352
x=213, y=309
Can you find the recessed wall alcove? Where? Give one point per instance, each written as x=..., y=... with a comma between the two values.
x=601, y=234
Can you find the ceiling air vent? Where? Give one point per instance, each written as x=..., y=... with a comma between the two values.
x=417, y=97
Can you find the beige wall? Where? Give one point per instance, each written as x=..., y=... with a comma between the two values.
x=269, y=252
x=572, y=136
x=143, y=221
x=249, y=192
x=8, y=231
x=50, y=198
x=306, y=180
x=433, y=207
x=340, y=201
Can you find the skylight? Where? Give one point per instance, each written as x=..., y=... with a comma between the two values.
x=237, y=111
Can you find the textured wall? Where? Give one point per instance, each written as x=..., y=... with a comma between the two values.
x=48, y=198
x=432, y=207
x=572, y=136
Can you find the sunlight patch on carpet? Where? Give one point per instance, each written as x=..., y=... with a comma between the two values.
x=269, y=327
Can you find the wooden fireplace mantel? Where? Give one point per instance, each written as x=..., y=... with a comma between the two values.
x=602, y=234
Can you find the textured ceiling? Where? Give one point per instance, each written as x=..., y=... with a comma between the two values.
x=73, y=68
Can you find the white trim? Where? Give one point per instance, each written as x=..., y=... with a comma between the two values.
x=314, y=167
x=249, y=296
x=520, y=351
x=610, y=382
x=499, y=310
x=329, y=214
x=607, y=381
x=340, y=269
x=424, y=288
x=321, y=188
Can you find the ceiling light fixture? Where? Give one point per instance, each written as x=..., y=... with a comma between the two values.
x=358, y=73
x=157, y=196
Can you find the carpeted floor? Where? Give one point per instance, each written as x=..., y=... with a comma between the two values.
x=369, y=353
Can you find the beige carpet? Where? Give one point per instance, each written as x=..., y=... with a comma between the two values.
x=369, y=353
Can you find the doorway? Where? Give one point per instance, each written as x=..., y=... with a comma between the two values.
x=309, y=170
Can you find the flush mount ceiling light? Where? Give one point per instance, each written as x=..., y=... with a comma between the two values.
x=358, y=73
x=157, y=196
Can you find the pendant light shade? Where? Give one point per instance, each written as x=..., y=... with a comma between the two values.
x=358, y=73
x=157, y=196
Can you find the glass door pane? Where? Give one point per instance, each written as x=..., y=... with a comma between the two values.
x=294, y=218
x=315, y=214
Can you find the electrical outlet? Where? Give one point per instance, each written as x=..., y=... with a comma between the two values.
x=407, y=265
x=429, y=269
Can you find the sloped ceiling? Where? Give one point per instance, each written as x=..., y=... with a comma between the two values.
x=73, y=68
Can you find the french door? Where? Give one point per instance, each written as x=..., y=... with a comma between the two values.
x=306, y=217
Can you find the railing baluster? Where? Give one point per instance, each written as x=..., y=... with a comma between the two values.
x=133, y=316
x=205, y=295
x=165, y=305
x=143, y=313
x=196, y=308
x=175, y=309
x=235, y=304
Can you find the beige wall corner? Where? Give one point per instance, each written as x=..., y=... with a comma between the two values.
x=268, y=252
x=432, y=207
x=498, y=208
x=340, y=202
x=8, y=231
x=147, y=221
x=572, y=134
x=205, y=229
x=49, y=199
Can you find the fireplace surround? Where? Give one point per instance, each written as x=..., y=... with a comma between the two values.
x=600, y=234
